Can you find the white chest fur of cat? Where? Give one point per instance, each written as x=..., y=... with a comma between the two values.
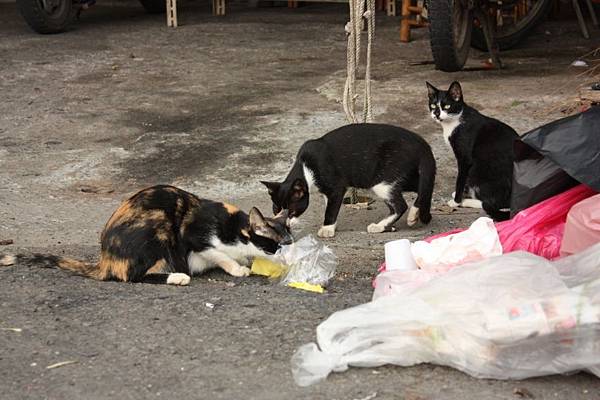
x=449, y=124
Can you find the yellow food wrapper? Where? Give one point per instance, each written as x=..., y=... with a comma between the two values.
x=307, y=286
x=273, y=270
x=266, y=267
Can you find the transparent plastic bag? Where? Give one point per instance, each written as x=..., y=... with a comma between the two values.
x=514, y=316
x=308, y=260
x=386, y=283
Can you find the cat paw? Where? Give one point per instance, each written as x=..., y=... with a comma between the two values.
x=453, y=204
x=240, y=272
x=471, y=203
x=413, y=216
x=245, y=261
x=326, y=231
x=375, y=228
x=178, y=279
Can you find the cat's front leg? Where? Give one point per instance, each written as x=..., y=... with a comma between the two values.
x=461, y=181
x=334, y=202
x=246, y=261
x=233, y=268
x=226, y=263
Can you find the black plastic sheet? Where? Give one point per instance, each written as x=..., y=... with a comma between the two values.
x=555, y=157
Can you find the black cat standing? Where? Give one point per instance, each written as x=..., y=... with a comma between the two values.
x=387, y=159
x=483, y=148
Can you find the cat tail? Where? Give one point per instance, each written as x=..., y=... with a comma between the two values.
x=50, y=261
x=427, y=171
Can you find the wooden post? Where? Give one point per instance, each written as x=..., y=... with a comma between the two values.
x=405, y=22
x=172, y=13
x=390, y=8
x=218, y=7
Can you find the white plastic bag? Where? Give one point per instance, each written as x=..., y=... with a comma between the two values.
x=508, y=317
x=476, y=243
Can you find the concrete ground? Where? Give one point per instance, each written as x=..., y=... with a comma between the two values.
x=120, y=102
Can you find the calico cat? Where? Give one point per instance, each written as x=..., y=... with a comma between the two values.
x=387, y=159
x=483, y=148
x=163, y=234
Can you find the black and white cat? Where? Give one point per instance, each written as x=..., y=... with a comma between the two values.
x=483, y=148
x=163, y=234
x=387, y=159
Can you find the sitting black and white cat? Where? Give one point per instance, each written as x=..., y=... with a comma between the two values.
x=163, y=234
x=483, y=148
x=387, y=159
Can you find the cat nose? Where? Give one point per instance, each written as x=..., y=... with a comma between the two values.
x=288, y=239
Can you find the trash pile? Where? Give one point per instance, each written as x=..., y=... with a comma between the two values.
x=538, y=229
x=512, y=300
x=509, y=317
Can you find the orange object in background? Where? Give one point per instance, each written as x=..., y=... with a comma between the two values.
x=582, y=228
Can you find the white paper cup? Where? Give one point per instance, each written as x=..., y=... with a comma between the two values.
x=398, y=256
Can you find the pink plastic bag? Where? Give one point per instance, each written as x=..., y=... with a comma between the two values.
x=582, y=228
x=538, y=229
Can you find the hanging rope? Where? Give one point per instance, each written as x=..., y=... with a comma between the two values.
x=370, y=17
x=354, y=29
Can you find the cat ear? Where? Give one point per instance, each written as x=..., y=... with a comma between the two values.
x=257, y=220
x=455, y=91
x=260, y=226
x=273, y=187
x=431, y=89
x=299, y=189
